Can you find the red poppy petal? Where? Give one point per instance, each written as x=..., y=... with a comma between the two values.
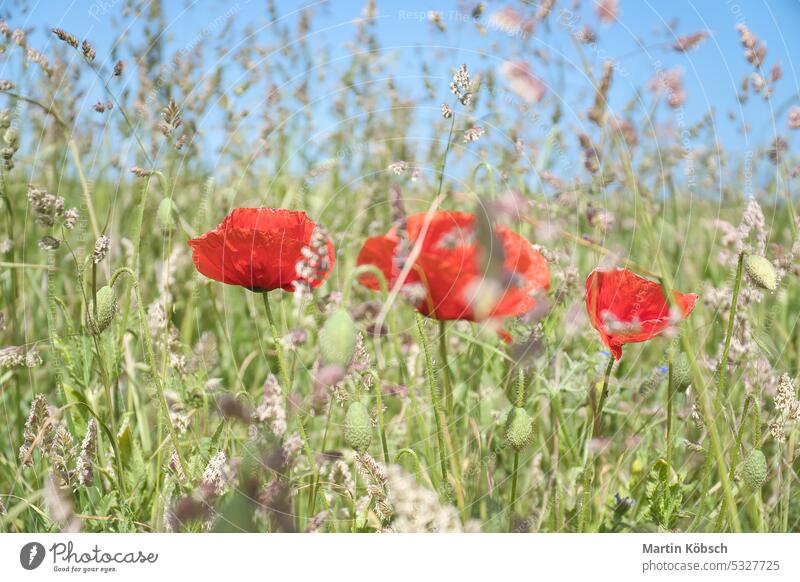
x=250, y=258
x=630, y=299
x=449, y=279
x=293, y=223
x=443, y=223
x=379, y=252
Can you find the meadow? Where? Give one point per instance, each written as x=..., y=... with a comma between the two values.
x=508, y=322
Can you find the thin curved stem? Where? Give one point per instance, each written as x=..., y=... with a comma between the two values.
x=151, y=363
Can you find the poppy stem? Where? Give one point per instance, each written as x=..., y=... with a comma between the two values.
x=276, y=339
x=670, y=396
x=588, y=472
x=603, y=397
x=718, y=526
x=723, y=363
x=287, y=383
x=513, y=491
x=151, y=363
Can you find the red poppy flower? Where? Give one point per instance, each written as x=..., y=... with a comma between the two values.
x=626, y=308
x=264, y=249
x=447, y=271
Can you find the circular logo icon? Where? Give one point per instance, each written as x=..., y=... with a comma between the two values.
x=31, y=555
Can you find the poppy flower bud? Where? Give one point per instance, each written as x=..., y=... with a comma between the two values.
x=519, y=428
x=754, y=470
x=11, y=137
x=357, y=427
x=338, y=338
x=681, y=376
x=167, y=215
x=106, y=310
x=761, y=272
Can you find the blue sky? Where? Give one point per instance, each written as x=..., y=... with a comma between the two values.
x=712, y=73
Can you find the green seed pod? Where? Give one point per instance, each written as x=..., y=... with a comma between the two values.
x=681, y=376
x=357, y=427
x=519, y=428
x=106, y=310
x=754, y=470
x=761, y=272
x=338, y=338
x=5, y=119
x=167, y=215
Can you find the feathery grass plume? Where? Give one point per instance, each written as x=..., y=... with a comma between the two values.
x=140, y=172
x=49, y=243
x=607, y=10
x=38, y=431
x=58, y=503
x=85, y=464
x=46, y=207
x=755, y=51
x=670, y=83
x=787, y=408
x=377, y=485
x=219, y=475
x=591, y=157
x=175, y=466
x=66, y=37
x=473, y=134
x=171, y=117
x=597, y=113
x=101, y=248
x=461, y=86
x=88, y=51
x=62, y=455
x=341, y=477
x=794, y=118
x=317, y=523
x=689, y=42
x=522, y=82
x=417, y=509
x=71, y=217
x=435, y=18
x=6, y=85
x=271, y=409
x=19, y=356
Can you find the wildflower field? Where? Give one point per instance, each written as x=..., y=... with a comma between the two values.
x=273, y=275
